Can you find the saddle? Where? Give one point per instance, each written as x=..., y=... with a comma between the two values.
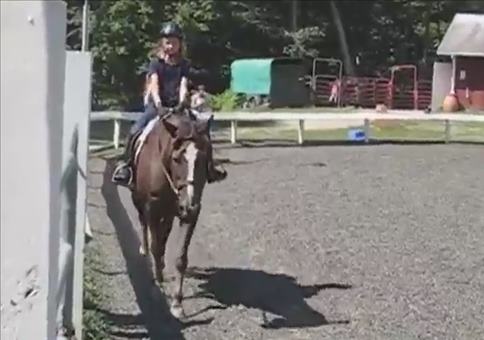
x=140, y=138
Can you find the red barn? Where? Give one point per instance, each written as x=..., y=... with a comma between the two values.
x=464, y=44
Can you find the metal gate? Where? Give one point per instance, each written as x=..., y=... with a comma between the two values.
x=326, y=80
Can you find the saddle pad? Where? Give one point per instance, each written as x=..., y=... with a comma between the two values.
x=140, y=141
x=203, y=115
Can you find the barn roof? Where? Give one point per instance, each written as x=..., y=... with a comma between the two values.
x=464, y=37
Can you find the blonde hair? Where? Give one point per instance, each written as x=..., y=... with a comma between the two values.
x=157, y=50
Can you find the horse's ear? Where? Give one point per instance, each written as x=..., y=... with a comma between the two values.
x=171, y=124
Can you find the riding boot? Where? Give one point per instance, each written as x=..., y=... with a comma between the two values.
x=214, y=174
x=123, y=173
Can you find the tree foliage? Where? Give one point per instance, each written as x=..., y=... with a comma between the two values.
x=380, y=33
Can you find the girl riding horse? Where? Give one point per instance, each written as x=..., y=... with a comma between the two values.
x=167, y=87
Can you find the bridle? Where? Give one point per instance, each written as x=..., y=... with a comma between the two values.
x=174, y=188
x=182, y=184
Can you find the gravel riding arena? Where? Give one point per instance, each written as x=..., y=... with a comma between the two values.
x=316, y=242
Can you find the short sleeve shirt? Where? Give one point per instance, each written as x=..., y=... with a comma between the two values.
x=170, y=77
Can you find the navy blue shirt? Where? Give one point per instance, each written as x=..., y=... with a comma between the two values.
x=169, y=77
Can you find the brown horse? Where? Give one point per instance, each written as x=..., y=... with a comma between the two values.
x=170, y=175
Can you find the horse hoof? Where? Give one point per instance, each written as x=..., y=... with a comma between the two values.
x=177, y=311
x=142, y=251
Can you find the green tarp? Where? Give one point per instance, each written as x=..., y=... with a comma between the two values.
x=251, y=76
x=281, y=79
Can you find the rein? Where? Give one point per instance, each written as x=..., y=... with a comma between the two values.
x=163, y=168
x=170, y=181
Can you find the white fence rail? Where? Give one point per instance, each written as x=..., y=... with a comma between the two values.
x=366, y=118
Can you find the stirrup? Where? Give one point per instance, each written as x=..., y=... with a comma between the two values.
x=127, y=183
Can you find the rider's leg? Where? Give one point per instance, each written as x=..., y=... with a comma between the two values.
x=214, y=174
x=123, y=171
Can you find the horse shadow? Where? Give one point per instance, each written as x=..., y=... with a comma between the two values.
x=278, y=294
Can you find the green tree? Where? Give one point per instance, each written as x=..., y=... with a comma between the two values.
x=381, y=33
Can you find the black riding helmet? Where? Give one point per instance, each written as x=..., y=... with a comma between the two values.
x=171, y=29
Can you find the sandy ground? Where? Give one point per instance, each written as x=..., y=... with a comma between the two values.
x=327, y=242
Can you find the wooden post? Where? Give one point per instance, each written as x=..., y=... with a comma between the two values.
x=117, y=131
x=300, y=132
x=452, y=78
x=233, y=131
x=447, y=131
x=367, y=130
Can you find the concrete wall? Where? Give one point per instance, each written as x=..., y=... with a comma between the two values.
x=32, y=87
x=441, y=84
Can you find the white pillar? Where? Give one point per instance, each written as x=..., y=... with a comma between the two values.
x=32, y=50
x=77, y=106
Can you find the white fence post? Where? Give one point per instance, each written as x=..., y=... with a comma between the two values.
x=300, y=132
x=447, y=131
x=117, y=133
x=367, y=130
x=233, y=131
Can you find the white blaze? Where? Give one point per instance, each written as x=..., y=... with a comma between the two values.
x=191, y=156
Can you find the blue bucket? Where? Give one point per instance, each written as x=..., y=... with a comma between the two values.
x=356, y=135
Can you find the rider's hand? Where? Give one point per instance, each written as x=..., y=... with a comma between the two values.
x=158, y=103
x=182, y=106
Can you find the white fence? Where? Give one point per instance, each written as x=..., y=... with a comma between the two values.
x=234, y=117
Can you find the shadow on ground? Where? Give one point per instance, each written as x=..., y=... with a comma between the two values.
x=155, y=314
x=277, y=294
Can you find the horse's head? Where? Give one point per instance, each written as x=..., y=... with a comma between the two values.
x=188, y=162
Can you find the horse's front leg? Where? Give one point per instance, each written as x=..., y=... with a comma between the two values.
x=154, y=231
x=164, y=233
x=142, y=213
x=185, y=236
x=143, y=248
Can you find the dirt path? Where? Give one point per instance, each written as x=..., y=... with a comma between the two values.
x=364, y=242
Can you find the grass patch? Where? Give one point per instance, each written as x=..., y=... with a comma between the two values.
x=380, y=130
x=95, y=325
